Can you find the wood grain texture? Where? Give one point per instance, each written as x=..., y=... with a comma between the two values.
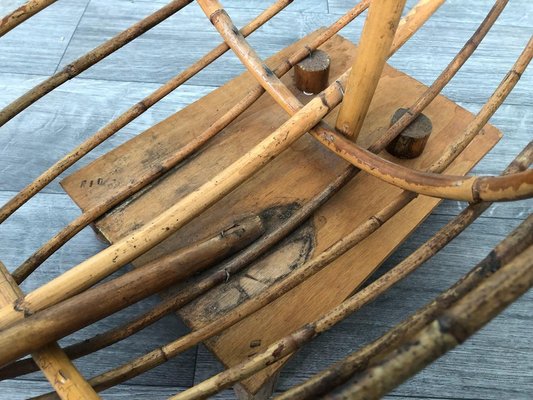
x=482, y=368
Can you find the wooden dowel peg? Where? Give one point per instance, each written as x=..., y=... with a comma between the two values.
x=311, y=74
x=410, y=143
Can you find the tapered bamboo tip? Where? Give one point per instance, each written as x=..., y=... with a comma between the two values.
x=311, y=74
x=411, y=142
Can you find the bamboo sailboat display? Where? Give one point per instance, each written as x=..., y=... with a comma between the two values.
x=259, y=210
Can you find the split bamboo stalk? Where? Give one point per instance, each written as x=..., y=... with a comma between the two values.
x=457, y=324
x=515, y=243
x=21, y=14
x=55, y=365
x=156, y=171
x=287, y=345
x=372, y=53
x=103, y=300
x=81, y=64
x=113, y=127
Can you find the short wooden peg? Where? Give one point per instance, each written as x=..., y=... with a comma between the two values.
x=311, y=74
x=411, y=142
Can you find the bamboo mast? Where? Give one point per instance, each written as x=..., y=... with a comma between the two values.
x=55, y=365
x=372, y=53
x=114, y=126
x=21, y=14
x=287, y=345
x=97, y=54
x=457, y=324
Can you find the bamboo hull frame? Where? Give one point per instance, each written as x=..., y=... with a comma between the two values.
x=514, y=278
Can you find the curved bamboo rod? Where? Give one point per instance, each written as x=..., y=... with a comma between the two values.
x=107, y=298
x=55, y=365
x=473, y=311
x=372, y=53
x=515, y=243
x=81, y=64
x=290, y=343
x=467, y=188
x=21, y=14
x=113, y=127
x=90, y=215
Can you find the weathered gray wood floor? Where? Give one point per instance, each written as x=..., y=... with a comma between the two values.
x=496, y=363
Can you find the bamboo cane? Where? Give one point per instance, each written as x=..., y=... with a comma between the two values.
x=372, y=53
x=81, y=64
x=156, y=171
x=21, y=14
x=103, y=300
x=469, y=188
x=287, y=345
x=113, y=127
x=515, y=243
x=55, y=365
x=444, y=333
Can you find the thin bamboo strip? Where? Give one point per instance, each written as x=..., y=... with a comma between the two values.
x=231, y=267
x=469, y=188
x=55, y=365
x=449, y=330
x=103, y=300
x=81, y=64
x=516, y=242
x=372, y=53
x=90, y=215
x=21, y=14
x=113, y=127
x=290, y=343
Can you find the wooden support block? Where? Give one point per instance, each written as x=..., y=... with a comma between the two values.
x=283, y=186
x=311, y=74
x=412, y=141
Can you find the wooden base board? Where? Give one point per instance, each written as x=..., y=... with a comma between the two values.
x=276, y=191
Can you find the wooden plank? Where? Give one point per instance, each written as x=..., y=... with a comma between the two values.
x=288, y=181
x=36, y=46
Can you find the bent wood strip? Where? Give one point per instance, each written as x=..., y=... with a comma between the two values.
x=287, y=345
x=96, y=303
x=56, y=366
x=372, y=53
x=89, y=216
x=21, y=14
x=81, y=64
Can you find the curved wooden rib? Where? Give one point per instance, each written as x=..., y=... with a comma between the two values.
x=290, y=343
x=89, y=216
x=55, y=365
x=81, y=64
x=22, y=13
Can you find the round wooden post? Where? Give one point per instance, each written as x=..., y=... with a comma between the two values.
x=311, y=74
x=410, y=143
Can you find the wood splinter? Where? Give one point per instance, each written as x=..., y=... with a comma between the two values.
x=411, y=142
x=311, y=74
